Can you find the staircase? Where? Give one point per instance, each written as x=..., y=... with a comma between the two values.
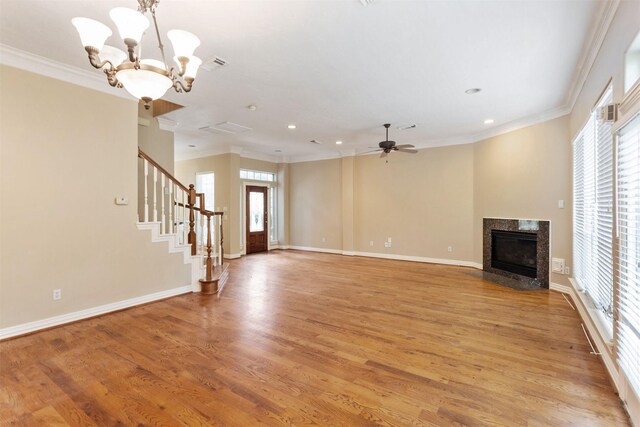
x=175, y=213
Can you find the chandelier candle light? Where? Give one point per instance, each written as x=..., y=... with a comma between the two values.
x=146, y=79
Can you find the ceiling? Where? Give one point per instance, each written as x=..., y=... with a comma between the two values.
x=338, y=70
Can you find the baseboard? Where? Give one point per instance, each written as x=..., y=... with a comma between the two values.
x=389, y=256
x=589, y=322
x=26, y=328
x=232, y=256
x=560, y=288
x=312, y=249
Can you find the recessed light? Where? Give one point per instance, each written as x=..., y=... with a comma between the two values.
x=278, y=151
x=252, y=107
x=191, y=146
x=488, y=121
x=291, y=126
x=472, y=90
x=338, y=142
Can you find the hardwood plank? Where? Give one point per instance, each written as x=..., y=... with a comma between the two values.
x=300, y=338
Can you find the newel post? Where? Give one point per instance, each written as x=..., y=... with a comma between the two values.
x=191, y=202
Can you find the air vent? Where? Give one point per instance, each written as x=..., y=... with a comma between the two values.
x=366, y=2
x=405, y=127
x=315, y=141
x=213, y=63
x=608, y=113
x=231, y=127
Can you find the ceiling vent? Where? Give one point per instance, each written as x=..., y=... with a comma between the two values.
x=406, y=127
x=211, y=130
x=225, y=128
x=315, y=141
x=366, y=2
x=213, y=63
x=229, y=127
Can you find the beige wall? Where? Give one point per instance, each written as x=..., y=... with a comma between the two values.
x=523, y=174
x=315, y=192
x=258, y=165
x=229, y=190
x=157, y=144
x=185, y=172
x=62, y=165
x=437, y=198
x=424, y=202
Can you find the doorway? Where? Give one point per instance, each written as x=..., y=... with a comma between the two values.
x=256, y=221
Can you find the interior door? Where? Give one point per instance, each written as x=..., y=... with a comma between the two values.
x=256, y=207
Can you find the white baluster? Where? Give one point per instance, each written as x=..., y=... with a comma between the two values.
x=163, y=222
x=146, y=190
x=155, y=194
x=172, y=203
x=184, y=218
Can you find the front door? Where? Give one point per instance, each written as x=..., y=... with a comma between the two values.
x=256, y=219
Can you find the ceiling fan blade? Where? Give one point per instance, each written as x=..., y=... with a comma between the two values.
x=383, y=154
x=408, y=150
x=405, y=146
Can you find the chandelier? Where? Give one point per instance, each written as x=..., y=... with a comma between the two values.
x=145, y=79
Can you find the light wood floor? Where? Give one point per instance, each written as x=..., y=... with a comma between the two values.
x=302, y=338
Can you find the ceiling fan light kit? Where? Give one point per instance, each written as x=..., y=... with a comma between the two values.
x=145, y=79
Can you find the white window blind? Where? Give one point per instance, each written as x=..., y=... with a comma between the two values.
x=628, y=201
x=592, y=212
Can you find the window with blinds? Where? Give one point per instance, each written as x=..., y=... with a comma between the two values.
x=593, y=208
x=628, y=204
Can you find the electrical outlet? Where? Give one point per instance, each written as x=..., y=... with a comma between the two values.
x=324, y=239
x=371, y=243
x=57, y=294
x=449, y=248
x=387, y=244
x=567, y=270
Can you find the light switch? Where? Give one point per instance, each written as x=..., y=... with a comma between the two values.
x=122, y=201
x=561, y=204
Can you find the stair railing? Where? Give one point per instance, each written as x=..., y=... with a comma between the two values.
x=182, y=213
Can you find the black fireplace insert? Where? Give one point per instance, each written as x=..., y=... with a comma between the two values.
x=515, y=252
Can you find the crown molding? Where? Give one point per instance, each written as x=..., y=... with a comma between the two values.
x=514, y=125
x=262, y=157
x=56, y=70
x=590, y=53
x=314, y=157
x=198, y=154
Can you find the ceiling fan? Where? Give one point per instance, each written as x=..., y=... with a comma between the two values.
x=387, y=146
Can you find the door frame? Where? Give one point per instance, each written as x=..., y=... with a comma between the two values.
x=243, y=212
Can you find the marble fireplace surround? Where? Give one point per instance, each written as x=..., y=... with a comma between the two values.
x=540, y=228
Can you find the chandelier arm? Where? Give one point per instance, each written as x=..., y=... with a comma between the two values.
x=179, y=86
x=160, y=45
x=94, y=59
x=111, y=78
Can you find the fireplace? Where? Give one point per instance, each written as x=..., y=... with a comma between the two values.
x=517, y=249
x=515, y=252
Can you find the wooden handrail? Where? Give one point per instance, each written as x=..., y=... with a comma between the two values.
x=195, y=202
x=202, y=211
x=144, y=155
